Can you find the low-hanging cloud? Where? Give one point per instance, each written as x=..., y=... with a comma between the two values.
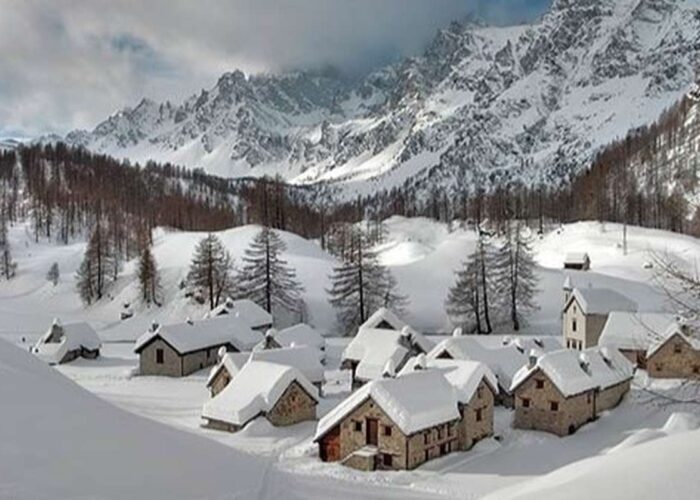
x=69, y=63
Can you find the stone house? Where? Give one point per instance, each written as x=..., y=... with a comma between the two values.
x=230, y=363
x=279, y=393
x=676, y=355
x=65, y=343
x=181, y=349
x=246, y=310
x=633, y=334
x=579, y=261
x=504, y=359
x=563, y=390
x=585, y=312
x=400, y=423
x=378, y=343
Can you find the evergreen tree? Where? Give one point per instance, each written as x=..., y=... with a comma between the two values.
x=360, y=285
x=266, y=278
x=54, y=274
x=211, y=271
x=514, y=272
x=8, y=267
x=100, y=267
x=469, y=300
x=149, y=279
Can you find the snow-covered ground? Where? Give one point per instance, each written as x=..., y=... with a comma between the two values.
x=645, y=439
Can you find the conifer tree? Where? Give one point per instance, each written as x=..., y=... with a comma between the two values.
x=360, y=284
x=514, y=273
x=149, y=279
x=100, y=267
x=266, y=278
x=8, y=267
x=211, y=271
x=54, y=274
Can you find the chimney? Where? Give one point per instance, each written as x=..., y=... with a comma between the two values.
x=189, y=321
x=154, y=326
x=389, y=369
x=584, y=362
x=222, y=352
x=532, y=359
x=458, y=332
x=421, y=362
x=270, y=338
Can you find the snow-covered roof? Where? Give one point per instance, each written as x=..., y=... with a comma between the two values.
x=372, y=348
x=251, y=313
x=464, y=376
x=232, y=362
x=303, y=358
x=504, y=360
x=600, y=301
x=255, y=390
x=60, y=339
x=673, y=330
x=195, y=335
x=574, y=372
x=382, y=315
x=301, y=334
x=635, y=331
x=414, y=402
x=576, y=258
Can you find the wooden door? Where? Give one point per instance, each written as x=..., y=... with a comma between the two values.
x=372, y=431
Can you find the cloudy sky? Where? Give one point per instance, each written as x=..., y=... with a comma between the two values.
x=68, y=64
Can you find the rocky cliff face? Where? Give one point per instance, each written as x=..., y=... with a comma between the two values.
x=482, y=105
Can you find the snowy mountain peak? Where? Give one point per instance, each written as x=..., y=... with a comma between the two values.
x=486, y=105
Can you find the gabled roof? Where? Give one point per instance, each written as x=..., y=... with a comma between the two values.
x=673, y=331
x=600, y=301
x=195, y=335
x=413, y=402
x=74, y=336
x=635, y=331
x=382, y=315
x=254, y=391
x=300, y=335
x=247, y=310
x=372, y=348
x=303, y=358
x=504, y=361
x=576, y=258
x=232, y=362
x=463, y=376
x=574, y=372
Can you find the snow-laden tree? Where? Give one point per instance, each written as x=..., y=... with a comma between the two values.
x=360, y=284
x=149, y=278
x=8, y=267
x=514, y=275
x=266, y=278
x=99, y=268
x=54, y=274
x=211, y=271
x=469, y=300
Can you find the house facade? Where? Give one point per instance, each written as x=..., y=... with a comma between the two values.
x=65, y=343
x=676, y=356
x=579, y=261
x=160, y=358
x=562, y=391
x=278, y=393
x=633, y=334
x=585, y=313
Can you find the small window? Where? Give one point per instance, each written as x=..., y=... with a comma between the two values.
x=526, y=403
x=539, y=383
x=573, y=325
x=439, y=432
x=479, y=392
x=387, y=460
x=478, y=415
x=588, y=398
x=426, y=438
x=678, y=348
x=159, y=356
x=696, y=369
x=658, y=366
x=387, y=430
x=554, y=406
x=358, y=426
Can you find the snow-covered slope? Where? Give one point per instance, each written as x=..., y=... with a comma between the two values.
x=482, y=104
x=421, y=253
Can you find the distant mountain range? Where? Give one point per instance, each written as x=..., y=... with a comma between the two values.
x=482, y=105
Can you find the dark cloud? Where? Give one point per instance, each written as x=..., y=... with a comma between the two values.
x=69, y=63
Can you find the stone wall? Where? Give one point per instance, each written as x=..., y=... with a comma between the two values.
x=668, y=363
x=294, y=406
x=198, y=360
x=171, y=366
x=612, y=396
x=221, y=426
x=221, y=380
x=570, y=414
x=471, y=428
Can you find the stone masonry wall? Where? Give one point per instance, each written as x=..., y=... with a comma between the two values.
x=294, y=406
x=472, y=430
x=612, y=396
x=170, y=367
x=667, y=363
